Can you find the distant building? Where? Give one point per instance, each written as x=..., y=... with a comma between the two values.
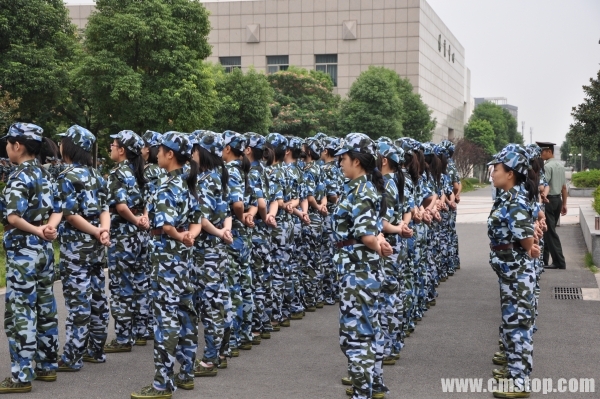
x=501, y=101
x=343, y=38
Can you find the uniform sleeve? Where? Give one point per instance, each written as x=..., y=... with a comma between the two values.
x=310, y=183
x=56, y=202
x=364, y=214
x=165, y=208
x=117, y=189
x=548, y=172
x=276, y=187
x=16, y=197
x=519, y=219
x=235, y=184
x=255, y=183
x=390, y=201
x=69, y=197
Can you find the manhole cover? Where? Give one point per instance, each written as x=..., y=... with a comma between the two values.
x=567, y=293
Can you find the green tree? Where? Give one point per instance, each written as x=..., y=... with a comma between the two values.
x=303, y=102
x=494, y=114
x=418, y=122
x=144, y=69
x=481, y=133
x=37, y=44
x=8, y=110
x=511, y=128
x=585, y=129
x=373, y=106
x=244, y=101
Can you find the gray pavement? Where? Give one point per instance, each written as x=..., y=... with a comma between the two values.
x=455, y=339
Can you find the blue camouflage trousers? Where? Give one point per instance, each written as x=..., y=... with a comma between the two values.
x=331, y=288
x=432, y=257
x=409, y=283
x=147, y=248
x=420, y=269
x=82, y=273
x=360, y=332
x=281, y=270
x=294, y=288
x=212, y=298
x=30, y=318
x=517, y=278
x=260, y=260
x=129, y=286
x=239, y=280
x=312, y=270
x=174, y=312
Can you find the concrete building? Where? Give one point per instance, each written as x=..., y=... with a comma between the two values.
x=343, y=38
x=501, y=101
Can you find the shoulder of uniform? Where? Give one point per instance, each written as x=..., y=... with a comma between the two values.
x=66, y=170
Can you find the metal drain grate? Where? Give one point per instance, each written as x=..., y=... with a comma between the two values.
x=567, y=293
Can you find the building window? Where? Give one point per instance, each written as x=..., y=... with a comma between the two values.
x=450, y=134
x=440, y=43
x=327, y=63
x=444, y=48
x=276, y=63
x=453, y=58
x=449, y=50
x=229, y=63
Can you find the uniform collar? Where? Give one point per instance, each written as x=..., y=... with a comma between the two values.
x=355, y=182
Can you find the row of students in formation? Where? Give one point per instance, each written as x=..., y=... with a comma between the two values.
x=240, y=232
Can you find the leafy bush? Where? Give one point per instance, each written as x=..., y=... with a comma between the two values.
x=596, y=202
x=586, y=179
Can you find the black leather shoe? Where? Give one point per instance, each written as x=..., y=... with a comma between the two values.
x=553, y=266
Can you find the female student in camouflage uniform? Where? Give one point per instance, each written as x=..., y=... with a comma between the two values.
x=83, y=235
x=239, y=277
x=128, y=280
x=176, y=202
x=511, y=233
x=261, y=235
x=211, y=261
x=30, y=214
x=394, y=228
x=154, y=176
x=357, y=226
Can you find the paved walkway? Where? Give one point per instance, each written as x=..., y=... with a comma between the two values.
x=475, y=207
x=455, y=339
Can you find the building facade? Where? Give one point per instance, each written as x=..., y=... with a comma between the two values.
x=343, y=38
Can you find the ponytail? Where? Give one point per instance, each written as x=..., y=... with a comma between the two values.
x=399, y=178
x=369, y=164
x=192, y=179
x=412, y=166
x=268, y=155
x=137, y=164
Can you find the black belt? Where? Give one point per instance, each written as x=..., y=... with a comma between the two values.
x=504, y=247
x=346, y=243
x=553, y=196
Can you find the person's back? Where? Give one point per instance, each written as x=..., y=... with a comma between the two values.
x=556, y=206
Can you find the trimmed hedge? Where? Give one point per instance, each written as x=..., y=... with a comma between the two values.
x=586, y=179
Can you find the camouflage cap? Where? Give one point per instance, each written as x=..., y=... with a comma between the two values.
x=276, y=140
x=514, y=156
x=314, y=144
x=151, y=138
x=294, y=143
x=27, y=131
x=357, y=142
x=80, y=136
x=427, y=148
x=385, y=139
x=255, y=140
x=407, y=144
x=234, y=140
x=331, y=143
x=319, y=136
x=212, y=142
x=130, y=140
x=448, y=146
x=438, y=149
x=178, y=142
x=391, y=151
x=534, y=151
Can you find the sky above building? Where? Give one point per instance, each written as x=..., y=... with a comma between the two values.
x=536, y=53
